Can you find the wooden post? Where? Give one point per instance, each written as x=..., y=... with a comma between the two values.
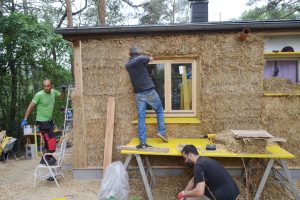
x=80, y=131
x=109, y=132
x=35, y=141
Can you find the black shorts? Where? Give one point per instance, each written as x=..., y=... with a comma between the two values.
x=46, y=127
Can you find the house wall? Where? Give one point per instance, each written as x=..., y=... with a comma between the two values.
x=276, y=43
x=229, y=91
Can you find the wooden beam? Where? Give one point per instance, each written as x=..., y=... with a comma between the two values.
x=80, y=146
x=251, y=134
x=110, y=120
x=150, y=149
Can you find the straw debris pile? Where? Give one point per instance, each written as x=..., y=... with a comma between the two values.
x=241, y=145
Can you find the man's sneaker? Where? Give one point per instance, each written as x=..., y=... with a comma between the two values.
x=52, y=161
x=50, y=178
x=42, y=162
x=163, y=137
x=144, y=146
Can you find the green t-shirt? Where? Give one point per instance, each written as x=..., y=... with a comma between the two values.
x=45, y=104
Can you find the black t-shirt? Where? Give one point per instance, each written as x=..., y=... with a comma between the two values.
x=139, y=76
x=217, y=179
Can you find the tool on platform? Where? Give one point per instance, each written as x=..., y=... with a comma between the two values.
x=212, y=140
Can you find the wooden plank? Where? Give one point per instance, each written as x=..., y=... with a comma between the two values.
x=251, y=134
x=80, y=129
x=151, y=149
x=277, y=139
x=281, y=94
x=171, y=120
x=110, y=120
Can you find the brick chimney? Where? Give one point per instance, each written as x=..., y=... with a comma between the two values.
x=199, y=10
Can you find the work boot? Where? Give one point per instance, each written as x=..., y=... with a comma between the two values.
x=42, y=162
x=163, y=137
x=52, y=161
x=144, y=146
x=50, y=178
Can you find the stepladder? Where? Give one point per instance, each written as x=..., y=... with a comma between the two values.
x=68, y=118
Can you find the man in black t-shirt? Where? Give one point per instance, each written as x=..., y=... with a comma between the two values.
x=210, y=178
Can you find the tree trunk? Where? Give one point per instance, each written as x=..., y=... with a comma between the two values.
x=13, y=102
x=173, y=12
x=101, y=11
x=25, y=7
x=69, y=13
x=53, y=51
x=13, y=6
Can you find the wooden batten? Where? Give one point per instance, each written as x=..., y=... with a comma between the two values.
x=80, y=152
x=110, y=120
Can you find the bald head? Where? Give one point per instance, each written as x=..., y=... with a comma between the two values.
x=47, y=86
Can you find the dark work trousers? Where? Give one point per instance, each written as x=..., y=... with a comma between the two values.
x=46, y=129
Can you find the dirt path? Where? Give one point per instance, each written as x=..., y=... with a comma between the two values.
x=16, y=183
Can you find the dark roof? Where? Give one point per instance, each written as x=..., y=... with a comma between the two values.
x=98, y=31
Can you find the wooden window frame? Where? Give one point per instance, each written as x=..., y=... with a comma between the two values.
x=168, y=89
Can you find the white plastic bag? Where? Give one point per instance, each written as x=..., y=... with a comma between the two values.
x=114, y=185
x=27, y=130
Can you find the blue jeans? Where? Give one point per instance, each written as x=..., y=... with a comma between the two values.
x=151, y=98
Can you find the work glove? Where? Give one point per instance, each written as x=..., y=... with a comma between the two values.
x=180, y=195
x=63, y=88
x=23, y=123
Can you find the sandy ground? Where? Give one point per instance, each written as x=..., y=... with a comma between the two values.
x=16, y=183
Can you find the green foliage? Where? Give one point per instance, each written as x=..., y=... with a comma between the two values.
x=273, y=9
x=29, y=53
x=153, y=12
x=165, y=11
x=136, y=198
x=114, y=13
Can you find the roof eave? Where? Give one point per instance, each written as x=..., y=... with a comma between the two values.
x=69, y=33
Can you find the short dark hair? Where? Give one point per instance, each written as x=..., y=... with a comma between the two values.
x=287, y=49
x=190, y=149
x=133, y=52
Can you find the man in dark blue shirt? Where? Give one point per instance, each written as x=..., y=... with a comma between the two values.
x=145, y=93
x=210, y=178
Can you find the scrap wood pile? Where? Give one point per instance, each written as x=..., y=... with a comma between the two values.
x=242, y=142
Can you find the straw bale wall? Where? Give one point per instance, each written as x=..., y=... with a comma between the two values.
x=229, y=90
x=281, y=117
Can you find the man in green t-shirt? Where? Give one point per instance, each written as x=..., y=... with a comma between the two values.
x=44, y=100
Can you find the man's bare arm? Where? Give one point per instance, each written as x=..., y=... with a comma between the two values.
x=190, y=185
x=29, y=110
x=197, y=191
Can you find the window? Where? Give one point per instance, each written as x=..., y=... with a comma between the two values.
x=175, y=84
x=287, y=69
